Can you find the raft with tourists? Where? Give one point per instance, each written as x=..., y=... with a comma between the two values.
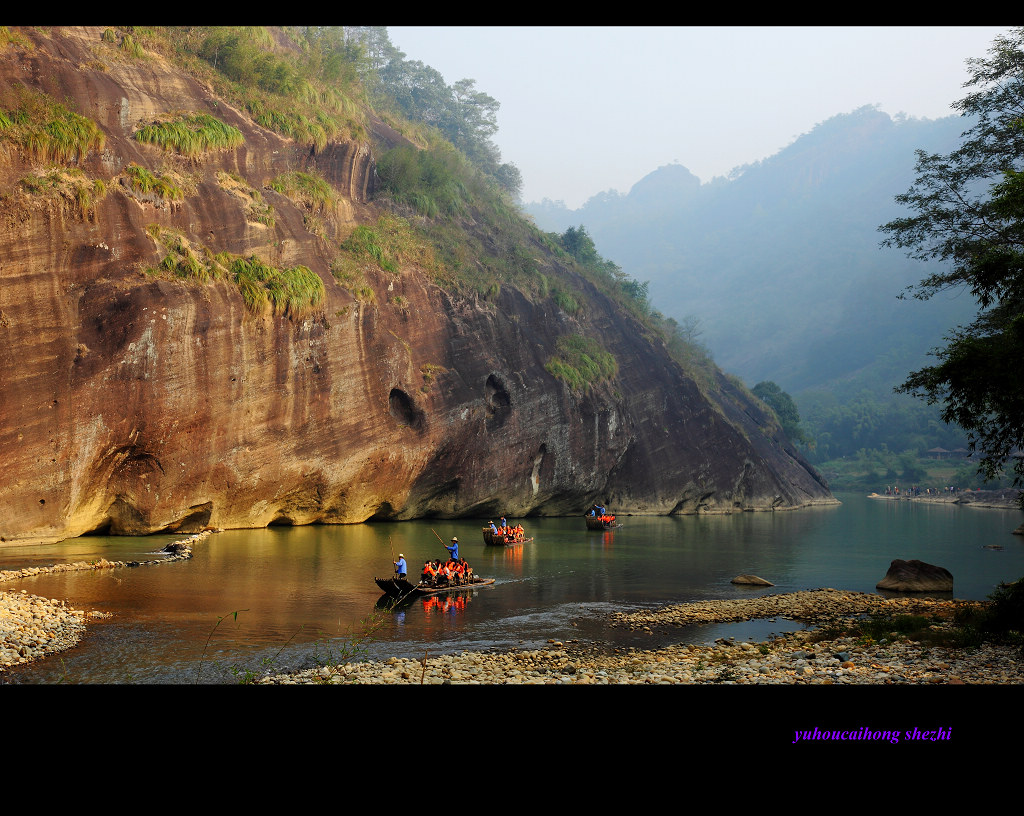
x=505, y=535
x=403, y=588
x=598, y=518
x=451, y=574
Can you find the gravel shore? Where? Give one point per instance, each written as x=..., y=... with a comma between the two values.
x=1002, y=499
x=796, y=658
x=32, y=627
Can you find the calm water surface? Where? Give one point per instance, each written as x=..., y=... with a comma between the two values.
x=288, y=597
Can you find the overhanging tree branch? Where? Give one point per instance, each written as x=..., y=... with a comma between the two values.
x=968, y=211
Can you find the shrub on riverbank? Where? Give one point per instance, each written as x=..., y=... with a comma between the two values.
x=1001, y=619
x=880, y=628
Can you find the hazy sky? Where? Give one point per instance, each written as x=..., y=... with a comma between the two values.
x=589, y=109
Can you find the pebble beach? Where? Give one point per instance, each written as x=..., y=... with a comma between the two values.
x=796, y=658
x=32, y=627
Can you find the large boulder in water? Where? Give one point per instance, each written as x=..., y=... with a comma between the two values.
x=752, y=580
x=916, y=576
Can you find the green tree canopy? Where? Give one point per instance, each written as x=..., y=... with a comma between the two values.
x=782, y=404
x=464, y=115
x=969, y=212
x=580, y=245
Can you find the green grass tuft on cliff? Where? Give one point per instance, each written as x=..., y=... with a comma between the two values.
x=581, y=362
x=8, y=37
x=310, y=92
x=366, y=243
x=182, y=261
x=391, y=244
x=309, y=189
x=565, y=301
x=70, y=183
x=145, y=181
x=432, y=182
x=292, y=292
x=47, y=131
x=191, y=134
x=130, y=46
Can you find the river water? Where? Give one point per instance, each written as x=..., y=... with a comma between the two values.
x=289, y=597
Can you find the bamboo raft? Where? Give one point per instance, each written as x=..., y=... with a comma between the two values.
x=402, y=588
x=493, y=539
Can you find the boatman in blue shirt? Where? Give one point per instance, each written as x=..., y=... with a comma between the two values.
x=454, y=548
x=400, y=567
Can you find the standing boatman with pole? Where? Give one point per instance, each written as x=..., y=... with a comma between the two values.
x=400, y=566
x=453, y=550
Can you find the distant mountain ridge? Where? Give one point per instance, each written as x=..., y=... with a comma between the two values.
x=781, y=263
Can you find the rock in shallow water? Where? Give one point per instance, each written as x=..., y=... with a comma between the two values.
x=753, y=580
x=916, y=576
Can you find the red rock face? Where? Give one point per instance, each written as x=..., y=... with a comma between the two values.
x=132, y=404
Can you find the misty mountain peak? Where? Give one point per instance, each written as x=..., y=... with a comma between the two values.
x=668, y=181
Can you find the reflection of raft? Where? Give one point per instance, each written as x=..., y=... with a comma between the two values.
x=401, y=588
x=598, y=523
x=500, y=539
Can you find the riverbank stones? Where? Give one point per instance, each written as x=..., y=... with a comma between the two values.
x=32, y=627
x=797, y=658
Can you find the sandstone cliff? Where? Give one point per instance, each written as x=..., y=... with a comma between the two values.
x=134, y=402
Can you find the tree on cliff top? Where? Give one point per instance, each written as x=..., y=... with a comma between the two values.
x=578, y=243
x=969, y=212
x=785, y=409
x=466, y=116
